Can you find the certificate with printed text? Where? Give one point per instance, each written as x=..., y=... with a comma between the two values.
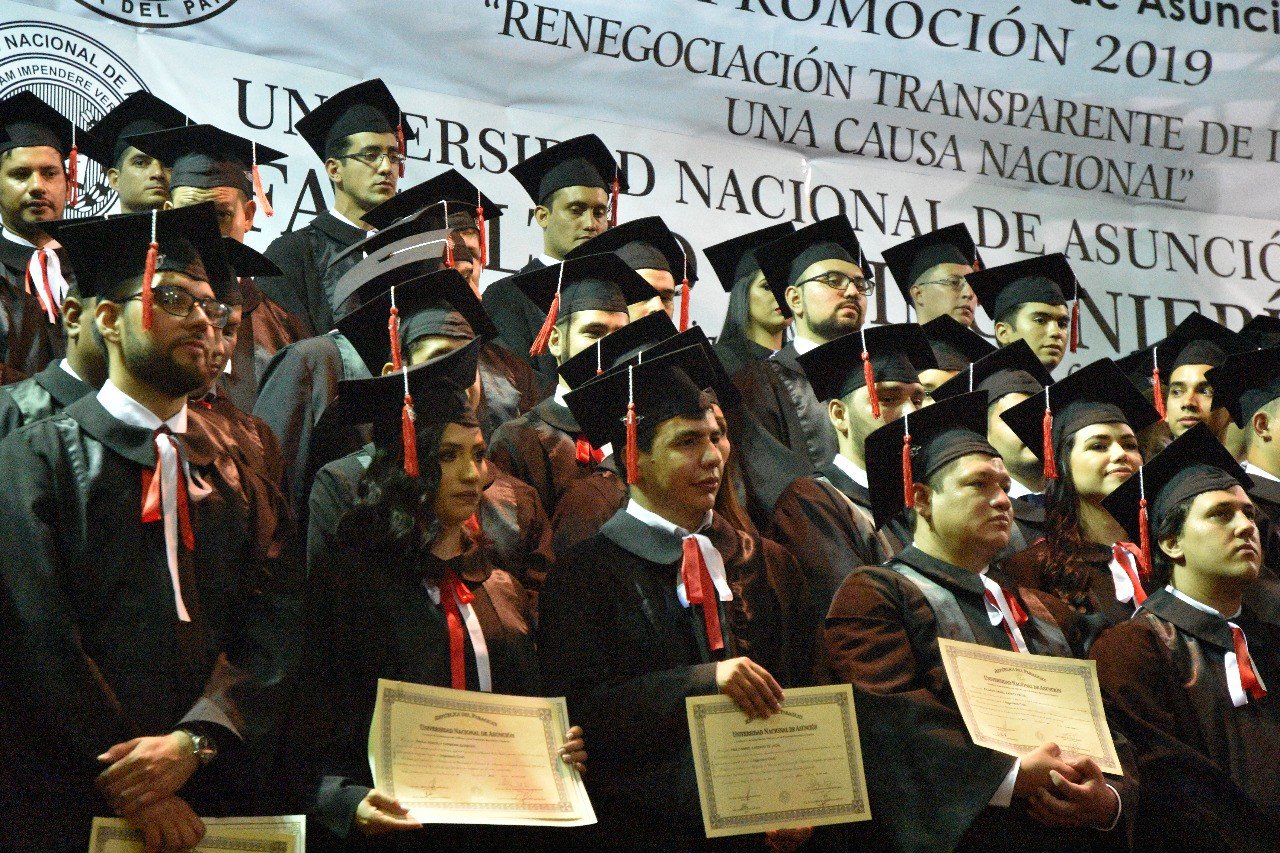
x=1013, y=703
x=459, y=756
x=801, y=767
x=284, y=834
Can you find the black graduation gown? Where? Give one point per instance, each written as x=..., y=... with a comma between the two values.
x=738, y=353
x=28, y=341
x=777, y=392
x=1209, y=769
x=266, y=328
x=540, y=448
x=306, y=258
x=518, y=321
x=615, y=641
x=371, y=619
x=881, y=636
x=94, y=653
x=47, y=393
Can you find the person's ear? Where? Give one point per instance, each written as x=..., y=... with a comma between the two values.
x=333, y=168
x=71, y=309
x=1261, y=424
x=838, y=414
x=922, y=495
x=557, y=343
x=1172, y=547
x=541, y=215
x=113, y=177
x=795, y=300
x=250, y=211
x=108, y=316
x=1004, y=333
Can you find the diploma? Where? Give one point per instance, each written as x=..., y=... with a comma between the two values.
x=459, y=756
x=285, y=834
x=800, y=767
x=1013, y=703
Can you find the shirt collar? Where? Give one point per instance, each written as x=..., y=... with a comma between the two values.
x=803, y=345
x=66, y=366
x=1254, y=471
x=333, y=211
x=548, y=260
x=851, y=470
x=1198, y=605
x=14, y=238
x=652, y=519
x=124, y=408
x=560, y=393
x=1017, y=490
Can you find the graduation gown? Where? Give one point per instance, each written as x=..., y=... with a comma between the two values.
x=371, y=619
x=585, y=506
x=1209, y=769
x=266, y=328
x=94, y=653
x=518, y=321
x=28, y=341
x=614, y=639
x=306, y=258
x=737, y=354
x=47, y=393
x=881, y=636
x=777, y=392
x=540, y=448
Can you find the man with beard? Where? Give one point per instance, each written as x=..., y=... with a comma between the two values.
x=930, y=271
x=1028, y=301
x=358, y=133
x=142, y=646
x=140, y=180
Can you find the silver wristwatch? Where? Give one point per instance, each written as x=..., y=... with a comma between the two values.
x=202, y=747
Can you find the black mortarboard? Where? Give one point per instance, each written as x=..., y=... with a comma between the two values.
x=1196, y=340
x=1193, y=463
x=583, y=161
x=612, y=408
x=611, y=350
x=1009, y=370
x=589, y=283
x=381, y=267
x=26, y=122
x=437, y=303
x=785, y=259
x=1092, y=395
x=643, y=244
x=909, y=260
x=897, y=352
x=955, y=345
x=141, y=112
x=429, y=197
x=244, y=262
x=735, y=259
x=727, y=394
x=917, y=445
x=204, y=156
x=367, y=107
x=1245, y=382
x=1261, y=332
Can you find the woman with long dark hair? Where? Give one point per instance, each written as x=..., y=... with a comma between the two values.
x=753, y=324
x=1084, y=559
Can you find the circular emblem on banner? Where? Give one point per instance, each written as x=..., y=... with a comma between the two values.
x=79, y=77
x=157, y=13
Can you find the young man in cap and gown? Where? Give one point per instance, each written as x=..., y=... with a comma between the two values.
x=1037, y=301
x=930, y=271
x=139, y=179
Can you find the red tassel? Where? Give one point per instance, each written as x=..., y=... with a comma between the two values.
x=615, y=189
x=73, y=177
x=544, y=334
x=400, y=144
x=1050, y=463
x=1144, y=537
x=1075, y=325
x=869, y=374
x=148, y=273
x=908, y=479
x=261, y=193
x=484, y=236
x=977, y=262
x=448, y=251
x=1157, y=392
x=632, y=455
x=393, y=330
x=685, y=294
x=409, y=437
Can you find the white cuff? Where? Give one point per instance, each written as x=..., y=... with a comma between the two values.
x=1003, y=796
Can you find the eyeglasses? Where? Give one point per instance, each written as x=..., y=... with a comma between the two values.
x=371, y=157
x=179, y=302
x=955, y=282
x=840, y=282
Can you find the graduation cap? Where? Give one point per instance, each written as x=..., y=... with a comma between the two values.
x=583, y=161
x=446, y=201
x=205, y=156
x=1194, y=463
x=367, y=107
x=955, y=345
x=1047, y=279
x=247, y=262
x=1009, y=370
x=439, y=386
x=917, y=445
x=735, y=259
x=587, y=283
x=909, y=260
x=1245, y=382
x=611, y=350
x=437, y=303
x=892, y=353
x=381, y=268
x=1261, y=332
x=140, y=113
x=784, y=260
x=26, y=122
x=611, y=407
x=726, y=392
x=1196, y=340
x=1092, y=395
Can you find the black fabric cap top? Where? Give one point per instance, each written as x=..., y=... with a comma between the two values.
x=398, y=261
x=1046, y=279
x=427, y=196
x=784, y=260
x=1092, y=395
x=26, y=122
x=642, y=244
x=665, y=387
x=1246, y=382
x=247, y=262
x=439, y=388
x=611, y=350
x=735, y=259
x=1261, y=332
x=1009, y=370
x=1137, y=366
x=898, y=353
x=600, y=282
x=205, y=156
x=367, y=107
x=584, y=161
x=727, y=394
x=908, y=261
x=366, y=327
x=955, y=345
x=1194, y=463
x=940, y=434
x=141, y=112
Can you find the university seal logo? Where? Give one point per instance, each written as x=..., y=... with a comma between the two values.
x=76, y=75
x=157, y=13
